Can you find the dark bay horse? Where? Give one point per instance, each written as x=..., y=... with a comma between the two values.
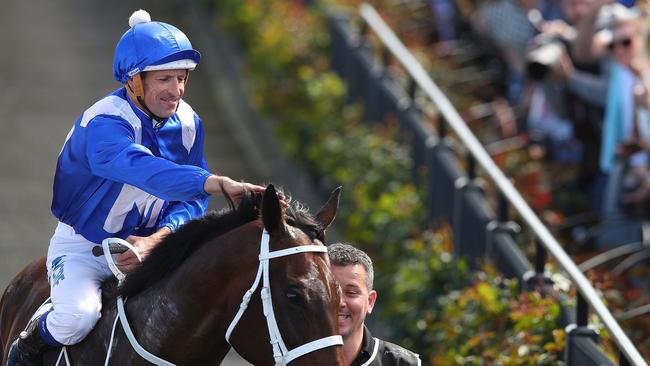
x=182, y=298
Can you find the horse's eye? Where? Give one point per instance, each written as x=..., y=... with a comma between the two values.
x=293, y=294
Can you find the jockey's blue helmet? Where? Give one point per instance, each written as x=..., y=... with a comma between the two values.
x=150, y=46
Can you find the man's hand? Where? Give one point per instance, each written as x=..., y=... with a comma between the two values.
x=144, y=244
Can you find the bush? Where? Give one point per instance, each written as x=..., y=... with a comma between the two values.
x=419, y=282
x=291, y=82
x=489, y=323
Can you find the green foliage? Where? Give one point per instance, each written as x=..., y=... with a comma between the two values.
x=488, y=323
x=292, y=83
x=419, y=282
x=426, y=271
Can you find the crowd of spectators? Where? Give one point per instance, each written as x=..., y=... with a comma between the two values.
x=579, y=69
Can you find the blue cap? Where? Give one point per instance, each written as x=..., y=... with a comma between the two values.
x=152, y=46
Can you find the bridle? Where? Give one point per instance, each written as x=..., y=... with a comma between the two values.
x=281, y=354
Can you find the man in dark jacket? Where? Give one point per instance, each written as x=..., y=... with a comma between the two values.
x=352, y=268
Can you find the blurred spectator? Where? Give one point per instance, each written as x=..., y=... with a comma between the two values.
x=619, y=124
x=570, y=67
x=506, y=23
x=574, y=10
x=551, y=105
x=624, y=129
x=444, y=14
x=636, y=182
x=591, y=72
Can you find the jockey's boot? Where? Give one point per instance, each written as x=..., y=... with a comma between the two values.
x=29, y=348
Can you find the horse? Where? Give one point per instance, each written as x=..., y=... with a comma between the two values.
x=182, y=298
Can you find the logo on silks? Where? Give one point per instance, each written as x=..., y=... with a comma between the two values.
x=57, y=270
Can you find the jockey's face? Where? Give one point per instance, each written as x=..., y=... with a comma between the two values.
x=163, y=90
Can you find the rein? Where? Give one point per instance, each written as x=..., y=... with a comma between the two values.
x=121, y=314
x=281, y=354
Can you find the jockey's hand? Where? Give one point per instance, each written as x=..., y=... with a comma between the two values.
x=144, y=244
x=234, y=189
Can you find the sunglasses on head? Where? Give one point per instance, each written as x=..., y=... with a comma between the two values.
x=625, y=42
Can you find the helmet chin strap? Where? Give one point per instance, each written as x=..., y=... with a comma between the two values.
x=135, y=89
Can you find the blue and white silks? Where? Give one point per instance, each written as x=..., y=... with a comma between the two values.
x=117, y=175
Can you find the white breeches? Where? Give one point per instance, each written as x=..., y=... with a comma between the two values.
x=75, y=278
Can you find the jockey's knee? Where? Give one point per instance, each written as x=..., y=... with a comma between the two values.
x=71, y=327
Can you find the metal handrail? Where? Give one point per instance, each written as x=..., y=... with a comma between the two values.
x=423, y=80
x=611, y=254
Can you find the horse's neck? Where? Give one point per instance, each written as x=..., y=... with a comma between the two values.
x=195, y=302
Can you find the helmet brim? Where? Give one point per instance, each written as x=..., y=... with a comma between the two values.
x=192, y=55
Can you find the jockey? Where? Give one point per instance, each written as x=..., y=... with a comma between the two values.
x=131, y=167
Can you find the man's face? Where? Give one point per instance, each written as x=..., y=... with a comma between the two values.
x=356, y=300
x=163, y=89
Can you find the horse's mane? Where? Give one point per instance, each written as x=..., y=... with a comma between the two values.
x=176, y=247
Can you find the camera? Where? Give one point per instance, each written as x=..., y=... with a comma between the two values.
x=544, y=56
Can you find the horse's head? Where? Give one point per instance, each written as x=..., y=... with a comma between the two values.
x=305, y=297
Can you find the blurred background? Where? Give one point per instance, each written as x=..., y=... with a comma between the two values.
x=305, y=95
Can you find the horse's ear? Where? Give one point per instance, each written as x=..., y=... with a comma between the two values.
x=327, y=213
x=271, y=210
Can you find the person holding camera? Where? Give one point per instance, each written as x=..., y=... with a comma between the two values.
x=549, y=118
